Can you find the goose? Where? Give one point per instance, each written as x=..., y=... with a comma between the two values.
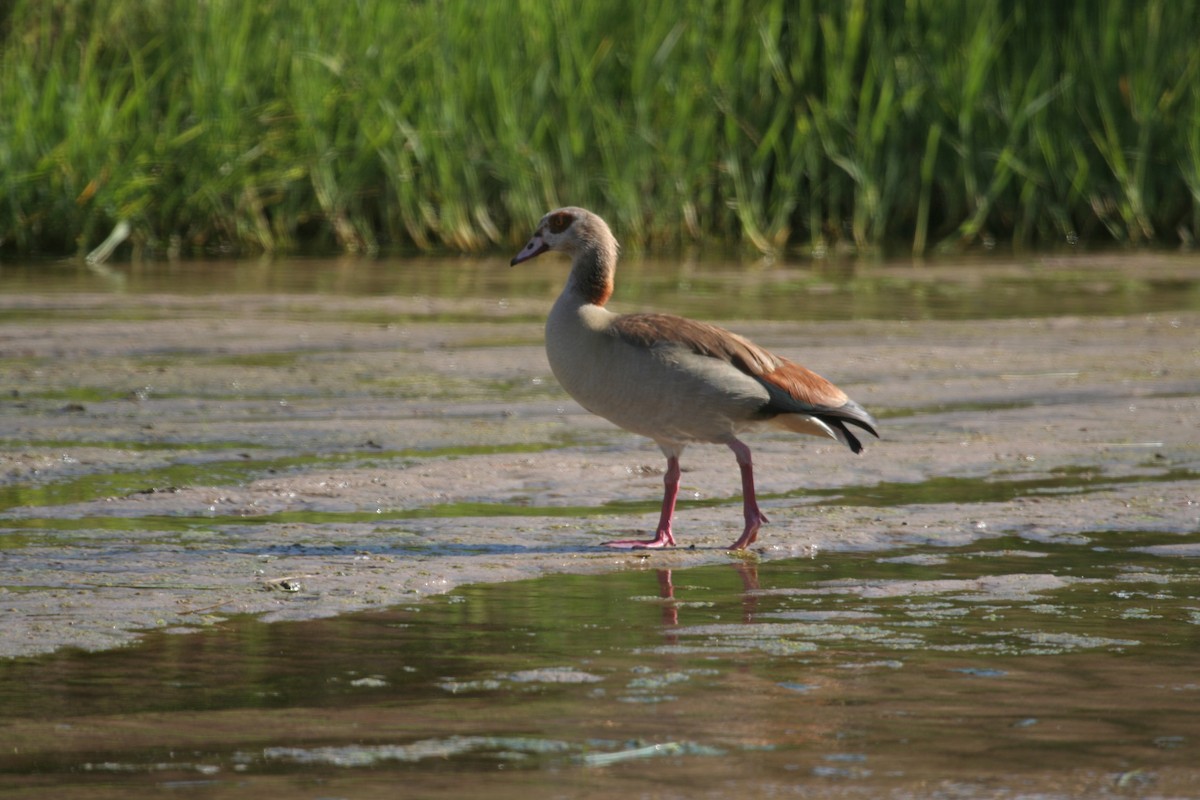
x=671, y=379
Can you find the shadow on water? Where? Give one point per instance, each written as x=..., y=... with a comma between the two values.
x=871, y=674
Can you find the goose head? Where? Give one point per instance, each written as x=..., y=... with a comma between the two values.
x=568, y=230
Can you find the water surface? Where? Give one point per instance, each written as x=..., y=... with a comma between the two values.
x=990, y=670
x=980, y=287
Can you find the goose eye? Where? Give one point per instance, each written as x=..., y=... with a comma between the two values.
x=559, y=222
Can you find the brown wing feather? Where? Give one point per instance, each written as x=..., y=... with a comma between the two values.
x=806, y=386
x=802, y=385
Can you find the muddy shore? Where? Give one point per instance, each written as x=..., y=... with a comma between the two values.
x=169, y=461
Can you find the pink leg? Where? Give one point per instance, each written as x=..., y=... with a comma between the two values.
x=662, y=536
x=754, y=517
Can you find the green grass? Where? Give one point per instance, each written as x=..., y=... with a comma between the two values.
x=281, y=125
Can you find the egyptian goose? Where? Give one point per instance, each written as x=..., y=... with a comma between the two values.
x=672, y=379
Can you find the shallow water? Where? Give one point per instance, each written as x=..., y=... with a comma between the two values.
x=1002, y=600
x=980, y=287
x=988, y=670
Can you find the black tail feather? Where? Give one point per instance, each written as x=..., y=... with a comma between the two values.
x=838, y=424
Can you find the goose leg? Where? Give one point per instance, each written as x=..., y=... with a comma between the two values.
x=754, y=517
x=662, y=535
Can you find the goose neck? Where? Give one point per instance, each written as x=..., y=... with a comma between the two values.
x=592, y=272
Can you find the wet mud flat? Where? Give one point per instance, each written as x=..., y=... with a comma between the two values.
x=329, y=544
x=168, y=461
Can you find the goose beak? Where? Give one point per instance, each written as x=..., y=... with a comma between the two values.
x=535, y=247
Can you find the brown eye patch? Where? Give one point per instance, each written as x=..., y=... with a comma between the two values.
x=559, y=222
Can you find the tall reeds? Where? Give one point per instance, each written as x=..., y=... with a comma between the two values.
x=288, y=124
